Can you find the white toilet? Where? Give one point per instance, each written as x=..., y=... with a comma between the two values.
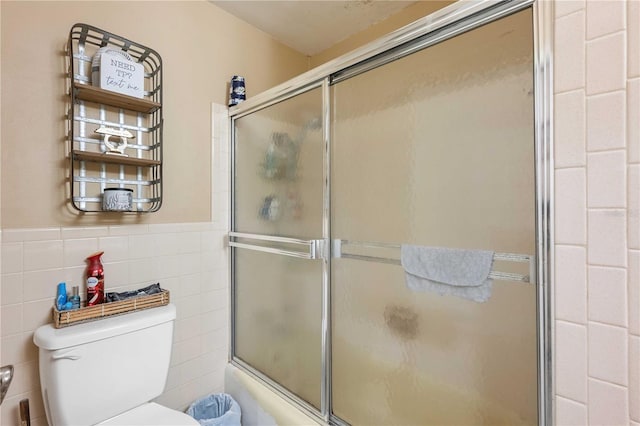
x=106, y=372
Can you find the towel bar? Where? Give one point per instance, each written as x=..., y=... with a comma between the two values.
x=338, y=252
x=314, y=248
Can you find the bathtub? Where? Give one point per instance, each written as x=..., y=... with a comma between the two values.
x=260, y=405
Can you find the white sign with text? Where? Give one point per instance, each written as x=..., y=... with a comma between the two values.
x=120, y=75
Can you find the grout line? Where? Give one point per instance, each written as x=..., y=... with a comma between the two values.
x=597, y=265
x=604, y=323
x=571, y=322
x=606, y=382
x=571, y=399
x=582, y=167
x=575, y=12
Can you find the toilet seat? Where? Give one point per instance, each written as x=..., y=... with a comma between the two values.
x=151, y=414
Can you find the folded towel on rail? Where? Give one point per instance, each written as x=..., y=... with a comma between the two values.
x=456, y=272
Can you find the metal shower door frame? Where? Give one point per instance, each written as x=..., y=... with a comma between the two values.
x=437, y=27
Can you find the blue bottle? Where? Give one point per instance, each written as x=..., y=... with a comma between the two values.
x=75, y=298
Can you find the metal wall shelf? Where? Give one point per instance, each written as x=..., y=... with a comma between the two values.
x=90, y=108
x=106, y=158
x=85, y=92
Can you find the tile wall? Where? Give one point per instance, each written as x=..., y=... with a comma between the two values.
x=597, y=231
x=188, y=259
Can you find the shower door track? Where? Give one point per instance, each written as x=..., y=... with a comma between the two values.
x=437, y=27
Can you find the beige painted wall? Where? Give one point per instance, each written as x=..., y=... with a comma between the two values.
x=394, y=22
x=201, y=47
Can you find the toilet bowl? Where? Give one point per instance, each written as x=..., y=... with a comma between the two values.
x=107, y=371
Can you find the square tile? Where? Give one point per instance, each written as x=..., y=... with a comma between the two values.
x=116, y=274
x=566, y=7
x=190, y=284
x=39, y=255
x=141, y=246
x=75, y=276
x=187, y=306
x=31, y=234
x=569, y=52
x=571, y=206
x=173, y=285
x=606, y=64
x=11, y=288
x=570, y=413
x=606, y=121
x=166, y=228
x=607, y=180
x=188, y=328
x=189, y=242
x=608, y=353
x=633, y=186
x=571, y=283
x=191, y=370
x=116, y=249
x=634, y=292
x=571, y=361
x=11, y=319
x=12, y=255
x=76, y=251
x=608, y=295
x=166, y=244
x=18, y=348
x=143, y=271
x=82, y=232
x=633, y=38
x=607, y=238
x=608, y=404
x=186, y=350
x=43, y=284
x=633, y=119
x=605, y=17
x=36, y=314
x=216, y=339
x=216, y=319
x=634, y=378
x=121, y=230
x=570, y=115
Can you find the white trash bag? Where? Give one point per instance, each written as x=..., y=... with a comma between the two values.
x=218, y=409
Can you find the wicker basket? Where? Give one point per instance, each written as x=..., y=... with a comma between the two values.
x=104, y=310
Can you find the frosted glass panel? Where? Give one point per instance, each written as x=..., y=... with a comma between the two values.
x=278, y=191
x=278, y=319
x=278, y=169
x=436, y=149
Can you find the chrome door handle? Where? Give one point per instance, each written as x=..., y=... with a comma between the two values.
x=315, y=249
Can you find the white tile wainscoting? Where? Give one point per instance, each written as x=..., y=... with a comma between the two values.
x=189, y=259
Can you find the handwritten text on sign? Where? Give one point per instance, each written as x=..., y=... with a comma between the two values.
x=120, y=75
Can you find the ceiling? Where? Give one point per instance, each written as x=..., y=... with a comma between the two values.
x=311, y=26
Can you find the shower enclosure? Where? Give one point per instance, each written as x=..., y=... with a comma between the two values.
x=434, y=136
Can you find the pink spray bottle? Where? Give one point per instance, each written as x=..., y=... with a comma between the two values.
x=95, y=280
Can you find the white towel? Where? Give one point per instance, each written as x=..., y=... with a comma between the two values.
x=457, y=272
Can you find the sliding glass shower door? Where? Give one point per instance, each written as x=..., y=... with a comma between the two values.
x=444, y=142
x=347, y=185
x=278, y=198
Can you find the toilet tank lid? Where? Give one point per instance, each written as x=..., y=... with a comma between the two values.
x=51, y=338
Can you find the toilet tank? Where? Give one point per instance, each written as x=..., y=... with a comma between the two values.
x=93, y=371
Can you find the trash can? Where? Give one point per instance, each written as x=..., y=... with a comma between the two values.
x=218, y=409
